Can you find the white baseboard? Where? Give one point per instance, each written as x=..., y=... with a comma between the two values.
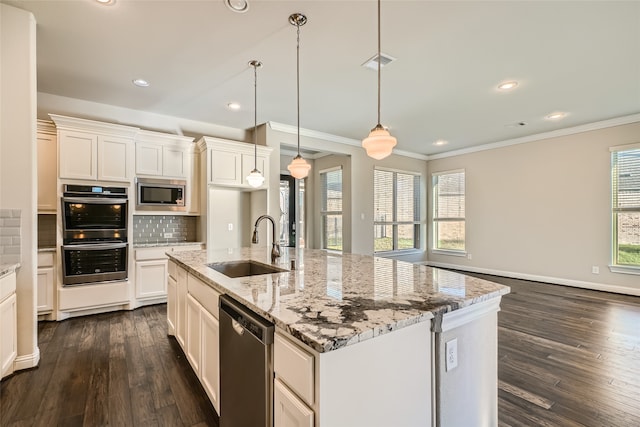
x=545, y=279
x=27, y=361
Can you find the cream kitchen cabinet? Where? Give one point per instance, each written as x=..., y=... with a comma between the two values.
x=203, y=330
x=288, y=409
x=90, y=150
x=46, y=282
x=47, y=167
x=8, y=324
x=164, y=155
x=151, y=278
x=227, y=163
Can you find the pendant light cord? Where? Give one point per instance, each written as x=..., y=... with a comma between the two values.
x=255, y=117
x=379, y=64
x=298, y=81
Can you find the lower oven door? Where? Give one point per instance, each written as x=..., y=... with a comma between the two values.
x=91, y=263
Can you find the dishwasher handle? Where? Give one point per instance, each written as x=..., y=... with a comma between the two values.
x=245, y=320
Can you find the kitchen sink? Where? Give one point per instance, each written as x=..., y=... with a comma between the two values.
x=244, y=268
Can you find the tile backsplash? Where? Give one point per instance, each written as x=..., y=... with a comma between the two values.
x=10, y=233
x=46, y=231
x=153, y=228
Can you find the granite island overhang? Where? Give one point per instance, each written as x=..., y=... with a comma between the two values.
x=400, y=315
x=333, y=300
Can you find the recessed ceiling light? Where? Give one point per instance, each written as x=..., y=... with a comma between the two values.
x=140, y=82
x=556, y=116
x=106, y=2
x=512, y=84
x=441, y=142
x=238, y=6
x=233, y=106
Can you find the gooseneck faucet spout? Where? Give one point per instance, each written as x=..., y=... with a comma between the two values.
x=275, y=247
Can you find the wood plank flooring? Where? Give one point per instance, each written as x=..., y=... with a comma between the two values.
x=116, y=369
x=567, y=357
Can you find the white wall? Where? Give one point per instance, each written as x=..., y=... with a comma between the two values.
x=18, y=161
x=541, y=210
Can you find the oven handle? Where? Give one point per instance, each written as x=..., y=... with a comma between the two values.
x=91, y=200
x=95, y=246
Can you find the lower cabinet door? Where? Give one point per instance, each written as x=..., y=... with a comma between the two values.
x=181, y=309
x=45, y=289
x=193, y=333
x=151, y=279
x=172, y=306
x=8, y=335
x=210, y=361
x=289, y=411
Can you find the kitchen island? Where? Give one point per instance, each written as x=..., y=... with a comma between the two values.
x=360, y=340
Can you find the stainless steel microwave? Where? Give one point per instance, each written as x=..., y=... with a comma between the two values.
x=161, y=194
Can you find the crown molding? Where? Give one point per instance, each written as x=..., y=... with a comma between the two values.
x=625, y=120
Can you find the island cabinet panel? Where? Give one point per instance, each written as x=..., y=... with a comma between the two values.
x=181, y=309
x=172, y=313
x=288, y=410
x=203, y=332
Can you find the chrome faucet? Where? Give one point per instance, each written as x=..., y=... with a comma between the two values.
x=275, y=248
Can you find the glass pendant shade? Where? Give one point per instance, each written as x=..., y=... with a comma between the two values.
x=379, y=144
x=255, y=178
x=299, y=167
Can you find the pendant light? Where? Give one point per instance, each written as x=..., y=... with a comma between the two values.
x=379, y=143
x=255, y=178
x=298, y=167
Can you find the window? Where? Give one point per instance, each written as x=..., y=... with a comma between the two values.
x=331, y=210
x=396, y=207
x=448, y=211
x=625, y=191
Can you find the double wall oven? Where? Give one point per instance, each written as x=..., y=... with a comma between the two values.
x=94, y=226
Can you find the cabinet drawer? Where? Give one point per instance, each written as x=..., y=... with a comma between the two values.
x=152, y=253
x=204, y=294
x=294, y=366
x=288, y=409
x=45, y=259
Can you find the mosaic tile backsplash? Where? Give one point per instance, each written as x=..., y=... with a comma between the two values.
x=154, y=228
x=10, y=232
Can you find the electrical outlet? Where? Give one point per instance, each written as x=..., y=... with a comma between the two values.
x=168, y=235
x=230, y=226
x=595, y=269
x=469, y=256
x=451, y=352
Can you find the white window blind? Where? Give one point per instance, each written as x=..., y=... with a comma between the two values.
x=449, y=210
x=331, y=209
x=396, y=210
x=625, y=186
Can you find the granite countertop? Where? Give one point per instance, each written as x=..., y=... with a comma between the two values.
x=331, y=300
x=163, y=244
x=8, y=269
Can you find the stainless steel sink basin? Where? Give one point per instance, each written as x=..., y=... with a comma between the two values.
x=244, y=268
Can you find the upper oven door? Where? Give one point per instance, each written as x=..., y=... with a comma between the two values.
x=160, y=195
x=93, y=213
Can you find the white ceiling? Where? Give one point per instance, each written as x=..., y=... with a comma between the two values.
x=580, y=57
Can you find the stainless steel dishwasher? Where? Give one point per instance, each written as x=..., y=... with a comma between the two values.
x=246, y=367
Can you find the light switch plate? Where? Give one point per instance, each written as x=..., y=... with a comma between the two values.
x=451, y=353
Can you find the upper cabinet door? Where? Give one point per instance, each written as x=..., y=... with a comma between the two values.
x=226, y=167
x=148, y=159
x=47, y=173
x=174, y=162
x=249, y=162
x=78, y=155
x=115, y=158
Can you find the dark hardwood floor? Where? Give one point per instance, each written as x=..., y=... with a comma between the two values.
x=567, y=357
x=116, y=369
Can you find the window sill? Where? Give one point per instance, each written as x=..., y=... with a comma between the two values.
x=624, y=269
x=449, y=252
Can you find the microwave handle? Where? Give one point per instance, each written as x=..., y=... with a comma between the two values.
x=97, y=201
x=95, y=246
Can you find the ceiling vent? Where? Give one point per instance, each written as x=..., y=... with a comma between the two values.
x=372, y=63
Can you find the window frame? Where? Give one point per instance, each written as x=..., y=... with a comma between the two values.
x=325, y=213
x=614, y=266
x=435, y=221
x=417, y=224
